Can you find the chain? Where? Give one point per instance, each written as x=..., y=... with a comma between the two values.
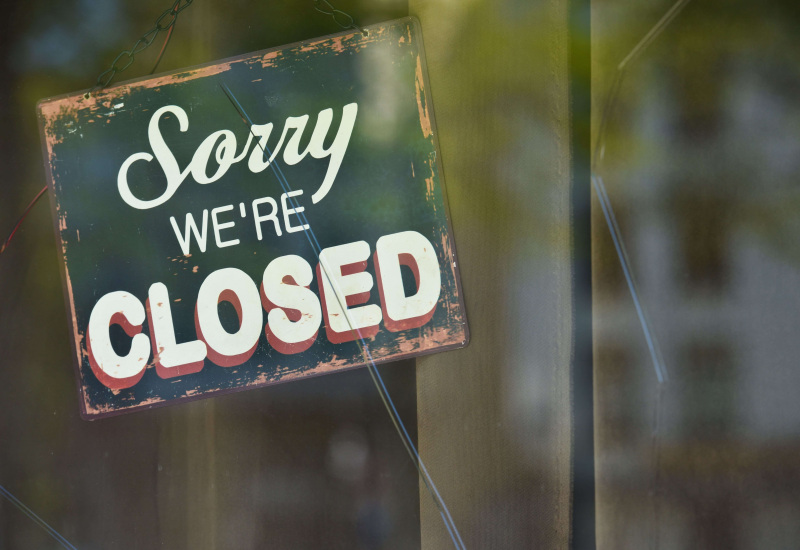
x=343, y=19
x=167, y=19
x=125, y=59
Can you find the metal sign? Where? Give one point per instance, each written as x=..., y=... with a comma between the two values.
x=249, y=222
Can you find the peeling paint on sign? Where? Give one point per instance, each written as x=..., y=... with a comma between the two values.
x=187, y=265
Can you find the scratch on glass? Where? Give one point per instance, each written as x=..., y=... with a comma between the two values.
x=36, y=519
x=619, y=245
x=602, y=194
x=371, y=366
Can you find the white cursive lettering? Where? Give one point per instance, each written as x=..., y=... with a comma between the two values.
x=223, y=145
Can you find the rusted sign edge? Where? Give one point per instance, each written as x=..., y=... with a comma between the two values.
x=428, y=128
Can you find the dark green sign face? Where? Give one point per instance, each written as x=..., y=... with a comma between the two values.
x=254, y=221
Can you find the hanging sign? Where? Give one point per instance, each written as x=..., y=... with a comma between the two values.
x=253, y=221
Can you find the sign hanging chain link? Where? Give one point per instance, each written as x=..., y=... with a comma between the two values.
x=164, y=22
x=341, y=18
